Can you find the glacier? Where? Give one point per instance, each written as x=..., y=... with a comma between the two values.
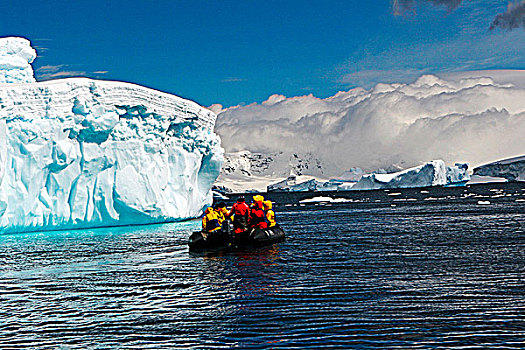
x=79, y=152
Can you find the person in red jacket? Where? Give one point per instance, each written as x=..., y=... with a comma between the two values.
x=257, y=215
x=241, y=215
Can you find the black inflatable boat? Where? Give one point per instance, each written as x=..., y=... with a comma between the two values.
x=222, y=239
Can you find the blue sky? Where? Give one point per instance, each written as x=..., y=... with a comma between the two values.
x=238, y=52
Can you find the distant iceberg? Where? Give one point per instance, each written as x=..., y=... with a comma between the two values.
x=290, y=184
x=511, y=169
x=80, y=152
x=434, y=173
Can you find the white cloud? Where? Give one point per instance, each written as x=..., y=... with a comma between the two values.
x=406, y=62
x=401, y=6
x=233, y=80
x=471, y=47
x=59, y=74
x=50, y=72
x=50, y=69
x=474, y=119
x=364, y=77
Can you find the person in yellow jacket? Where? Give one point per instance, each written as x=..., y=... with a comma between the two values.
x=210, y=221
x=222, y=212
x=270, y=214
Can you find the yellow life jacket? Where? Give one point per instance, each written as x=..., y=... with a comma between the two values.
x=210, y=221
x=220, y=216
x=270, y=215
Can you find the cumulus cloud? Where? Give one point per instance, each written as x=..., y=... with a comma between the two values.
x=513, y=18
x=391, y=125
x=401, y=6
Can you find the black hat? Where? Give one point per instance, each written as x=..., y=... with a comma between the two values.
x=241, y=199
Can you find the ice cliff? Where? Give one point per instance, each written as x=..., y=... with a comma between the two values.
x=512, y=169
x=79, y=152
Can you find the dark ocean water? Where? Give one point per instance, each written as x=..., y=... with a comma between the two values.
x=432, y=268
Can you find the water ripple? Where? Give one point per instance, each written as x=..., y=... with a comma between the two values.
x=361, y=274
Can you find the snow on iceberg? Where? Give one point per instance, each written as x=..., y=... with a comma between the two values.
x=433, y=173
x=79, y=152
x=16, y=56
x=512, y=169
x=325, y=200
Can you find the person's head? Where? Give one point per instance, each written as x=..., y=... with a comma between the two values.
x=240, y=199
x=258, y=198
x=267, y=205
x=221, y=205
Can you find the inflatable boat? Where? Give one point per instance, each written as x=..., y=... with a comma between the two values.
x=222, y=239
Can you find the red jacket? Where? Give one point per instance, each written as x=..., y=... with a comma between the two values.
x=240, y=209
x=257, y=216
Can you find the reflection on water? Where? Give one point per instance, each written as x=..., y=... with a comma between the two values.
x=423, y=274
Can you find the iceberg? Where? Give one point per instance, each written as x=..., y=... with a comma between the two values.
x=79, y=152
x=457, y=175
x=294, y=183
x=511, y=169
x=284, y=185
x=430, y=174
x=433, y=173
x=16, y=56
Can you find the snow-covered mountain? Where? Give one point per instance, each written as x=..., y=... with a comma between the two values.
x=79, y=152
x=245, y=170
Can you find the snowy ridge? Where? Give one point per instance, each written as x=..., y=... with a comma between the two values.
x=247, y=171
x=29, y=100
x=273, y=164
